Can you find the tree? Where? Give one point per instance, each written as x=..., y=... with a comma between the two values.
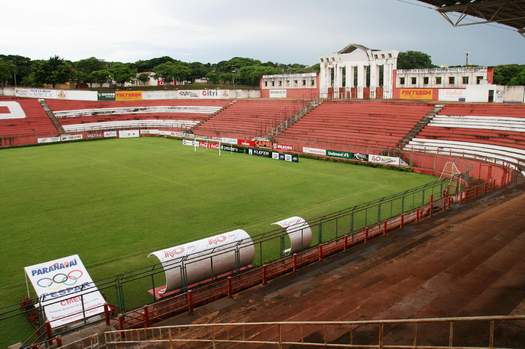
x=53, y=71
x=171, y=71
x=143, y=77
x=414, y=60
x=100, y=76
x=7, y=70
x=22, y=67
x=85, y=67
x=518, y=79
x=121, y=72
x=505, y=74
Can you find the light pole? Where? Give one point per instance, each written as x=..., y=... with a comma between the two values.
x=466, y=58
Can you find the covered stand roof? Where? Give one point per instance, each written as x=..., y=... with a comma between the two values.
x=507, y=12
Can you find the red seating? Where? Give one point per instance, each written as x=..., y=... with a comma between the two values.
x=487, y=135
x=355, y=126
x=22, y=131
x=249, y=118
x=517, y=111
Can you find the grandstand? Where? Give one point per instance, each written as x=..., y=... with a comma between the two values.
x=79, y=116
x=496, y=131
x=355, y=126
x=22, y=121
x=247, y=119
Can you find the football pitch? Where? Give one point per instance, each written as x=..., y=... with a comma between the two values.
x=114, y=201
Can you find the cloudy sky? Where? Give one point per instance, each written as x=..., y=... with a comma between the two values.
x=212, y=30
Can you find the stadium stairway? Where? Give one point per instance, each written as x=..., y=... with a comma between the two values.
x=51, y=116
x=294, y=118
x=420, y=125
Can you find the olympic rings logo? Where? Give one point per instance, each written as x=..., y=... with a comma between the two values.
x=68, y=279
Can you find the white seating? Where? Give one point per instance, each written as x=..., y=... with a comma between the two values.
x=501, y=155
x=124, y=124
x=480, y=122
x=137, y=110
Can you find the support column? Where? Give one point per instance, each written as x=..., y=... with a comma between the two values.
x=337, y=80
x=374, y=80
x=323, y=82
x=349, y=79
x=361, y=80
x=387, y=81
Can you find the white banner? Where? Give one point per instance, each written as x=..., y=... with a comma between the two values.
x=65, y=290
x=278, y=93
x=386, y=160
x=201, y=94
x=48, y=140
x=452, y=94
x=57, y=94
x=110, y=134
x=66, y=138
x=129, y=134
x=190, y=142
x=315, y=151
x=228, y=140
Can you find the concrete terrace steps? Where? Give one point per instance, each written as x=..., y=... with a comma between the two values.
x=421, y=124
x=294, y=118
x=51, y=116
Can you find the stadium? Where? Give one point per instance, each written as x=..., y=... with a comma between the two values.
x=360, y=204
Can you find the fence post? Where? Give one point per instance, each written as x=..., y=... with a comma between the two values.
x=120, y=322
x=294, y=262
x=346, y=242
x=366, y=234
x=385, y=228
x=320, y=249
x=431, y=204
x=189, y=300
x=230, y=287
x=146, y=316
x=264, y=274
x=417, y=215
x=49, y=332
x=107, y=314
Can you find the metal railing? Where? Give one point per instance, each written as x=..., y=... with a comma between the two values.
x=478, y=332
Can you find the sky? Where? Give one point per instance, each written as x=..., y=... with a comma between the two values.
x=284, y=31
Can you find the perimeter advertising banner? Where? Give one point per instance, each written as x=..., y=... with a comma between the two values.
x=56, y=94
x=128, y=95
x=106, y=96
x=416, y=93
x=65, y=290
x=386, y=160
x=340, y=154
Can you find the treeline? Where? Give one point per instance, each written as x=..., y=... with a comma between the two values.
x=82, y=73
x=236, y=71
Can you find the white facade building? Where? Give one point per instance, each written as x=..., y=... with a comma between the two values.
x=358, y=72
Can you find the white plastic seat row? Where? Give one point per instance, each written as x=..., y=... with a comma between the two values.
x=121, y=124
x=489, y=123
x=503, y=155
x=137, y=110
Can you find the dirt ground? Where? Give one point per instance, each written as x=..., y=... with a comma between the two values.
x=468, y=262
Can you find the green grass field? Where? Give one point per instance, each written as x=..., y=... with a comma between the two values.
x=114, y=201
